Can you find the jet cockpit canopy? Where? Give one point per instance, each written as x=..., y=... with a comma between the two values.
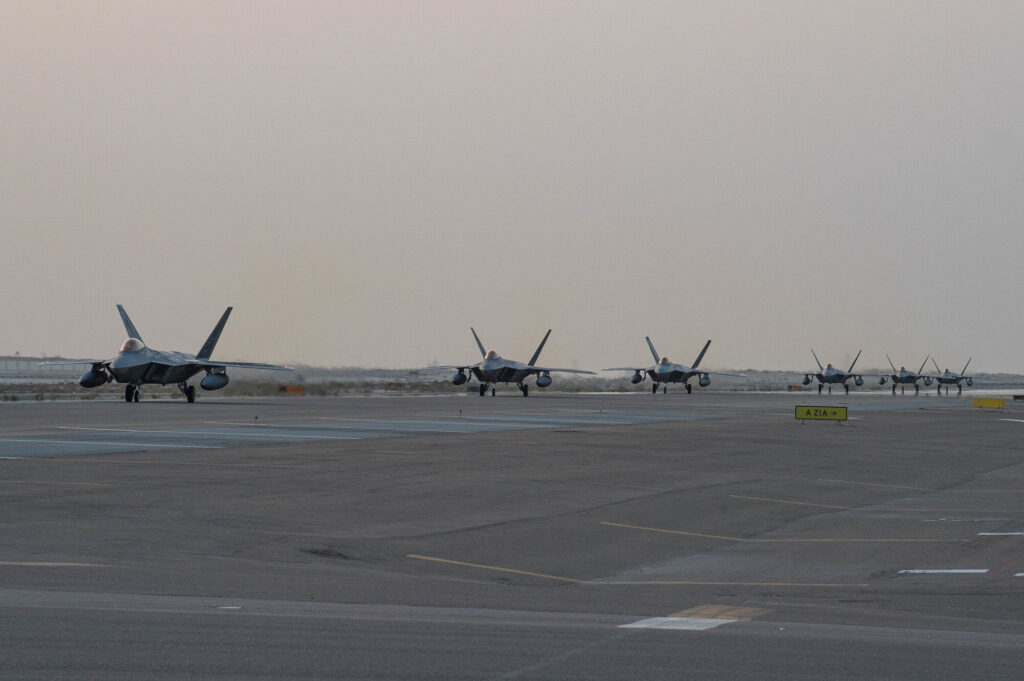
x=132, y=345
x=664, y=360
x=491, y=354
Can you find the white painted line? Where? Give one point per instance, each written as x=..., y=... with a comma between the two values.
x=678, y=623
x=215, y=433
x=944, y=572
x=113, y=444
x=1000, y=534
x=1013, y=420
x=1019, y=574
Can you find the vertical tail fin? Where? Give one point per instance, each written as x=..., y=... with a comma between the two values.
x=894, y=366
x=536, y=355
x=964, y=371
x=657, y=357
x=701, y=355
x=820, y=368
x=922, y=365
x=937, y=370
x=128, y=326
x=854, y=361
x=211, y=342
x=483, y=353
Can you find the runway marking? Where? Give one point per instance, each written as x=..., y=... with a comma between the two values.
x=700, y=583
x=787, y=540
x=943, y=571
x=202, y=463
x=134, y=445
x=1000, y=534
x=50, y=564
x=614, y=583
x=677, y=623
x=494, y=568
x=721, y=612
x=1013, y=420
x=211, y=433
x=50, y=482
x=875, y=484
x=785, y=501
x=352, y=427
x=1019, y=574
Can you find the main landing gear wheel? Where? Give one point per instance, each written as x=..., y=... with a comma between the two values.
x=689, y=388
x=654, y=389
x=893, y=388
x=959, y=389
x=494, y=392
x=846, y=388
x=129, y=390
x=664, y=391
x=190, y=394
x=917, y=389
x=525, y=388
x=820, y=386
x=483, y=389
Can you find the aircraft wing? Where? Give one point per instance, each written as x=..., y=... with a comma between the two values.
x=568, y=371
x=460, y=367
x=720, y=373
x=241, y=365
x=642, y=369
x=73, y=362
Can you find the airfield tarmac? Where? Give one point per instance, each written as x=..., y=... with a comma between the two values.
x=560, y=536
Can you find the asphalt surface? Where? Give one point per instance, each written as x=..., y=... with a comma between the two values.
x=706, y=536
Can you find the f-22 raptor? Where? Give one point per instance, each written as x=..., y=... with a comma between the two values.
x=904, y=376
x=137, y=365
x=664, y=372
x=829, y=375
x=496, y=369
x=948, y=378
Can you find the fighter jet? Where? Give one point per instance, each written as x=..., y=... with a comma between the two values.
x=665, y=372
x=136, y=365
x=948, y=378
x=495, y=369
x=903, y=377
x=830, y=375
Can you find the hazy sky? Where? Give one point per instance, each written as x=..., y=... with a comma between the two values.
x=364, y=181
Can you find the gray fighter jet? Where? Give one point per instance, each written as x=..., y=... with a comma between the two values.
x=948, y=378
x=495, y=369
x=136, y=365
x=665, y=372
x=829, y=375
x=902, y=377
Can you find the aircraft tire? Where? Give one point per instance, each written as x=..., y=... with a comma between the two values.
x=483, y=389
x=135, y=395
x=190, y=394
x=128, y=390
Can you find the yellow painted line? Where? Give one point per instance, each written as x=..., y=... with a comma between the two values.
x=688, y=534
x=875, y=484
x=50, y=564
x=785, y=501
x=721, y=612
x=786, y=540
x=494, y=568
